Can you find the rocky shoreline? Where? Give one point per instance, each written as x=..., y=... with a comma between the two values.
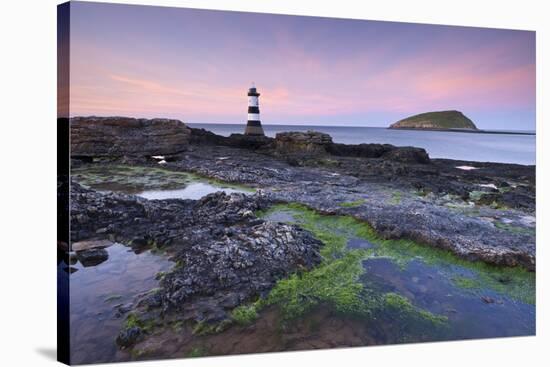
x=399, y=191
x=227, y=256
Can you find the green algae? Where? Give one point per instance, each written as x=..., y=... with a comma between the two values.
x=466, y=283
x=160, y=275
x=516, y=283
x=409, y=322
x=514, y=229
x=112, y=297
x=207, y=328
x=353, y=204
x=478, y=198
x=396, y=197
x=335, y=282
x=476, y=195
x=245, y=314
x=196, y=352
x=133, y=320
x=177, y=326
x=400, y=307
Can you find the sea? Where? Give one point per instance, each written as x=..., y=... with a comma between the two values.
x=477, y=147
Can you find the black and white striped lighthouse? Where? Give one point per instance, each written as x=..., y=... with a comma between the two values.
x=254, y=125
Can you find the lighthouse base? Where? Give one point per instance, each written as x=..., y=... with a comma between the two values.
x=254, y=128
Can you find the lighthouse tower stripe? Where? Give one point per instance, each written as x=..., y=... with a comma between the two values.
x=253, y=126
x=253, y=101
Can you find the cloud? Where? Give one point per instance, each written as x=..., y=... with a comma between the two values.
x=300, y=76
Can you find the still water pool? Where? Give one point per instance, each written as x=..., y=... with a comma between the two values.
x=97, y=293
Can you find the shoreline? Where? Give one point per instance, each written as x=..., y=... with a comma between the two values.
x=486, y=146
x=312, y=127
x=471, y=131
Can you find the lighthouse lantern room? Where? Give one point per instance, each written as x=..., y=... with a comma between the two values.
x=253, y=126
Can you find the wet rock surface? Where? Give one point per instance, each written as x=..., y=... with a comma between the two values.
x=311, y=142
x=225, y=254
x=92, y=257
x=239, y=265
x=90, y=245
x=434, y=203
x=94, y=137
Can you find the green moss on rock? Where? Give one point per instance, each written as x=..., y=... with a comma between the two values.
x=244, y=314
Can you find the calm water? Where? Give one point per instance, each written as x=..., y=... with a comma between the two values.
x=96, y=291
x=195, y=191
x=502, y=148
x=431, y=287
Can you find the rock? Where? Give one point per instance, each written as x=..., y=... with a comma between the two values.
x=436, y=120
x=360, y=150
x=294, y=146
x=423, y=217
x=130, y=336
x=122, y=309
x=91, y=244
x=129, y=138
x=384, y=151
x=228, y=254
x=92, y=257
x=70, y=269
x=311, y=142
x=407, y=155
x=202, y=136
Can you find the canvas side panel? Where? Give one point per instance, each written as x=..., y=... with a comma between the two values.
x=63, y=241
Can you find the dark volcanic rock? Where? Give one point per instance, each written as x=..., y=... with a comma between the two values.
x=310, y=142
x=407, y=155
x=117, y=137
x=238, y=264
x=92, y=257
x=227, y=254
x=202, y=136
x=295, y=146
x=384, y=151
x=130, y=336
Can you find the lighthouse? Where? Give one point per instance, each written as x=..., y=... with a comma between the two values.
x=253, y=126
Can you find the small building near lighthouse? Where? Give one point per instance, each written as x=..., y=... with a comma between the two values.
x=253, y=125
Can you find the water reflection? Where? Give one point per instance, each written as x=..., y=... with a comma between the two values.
x=195, y=190
x=430, y=287
x=96, y=294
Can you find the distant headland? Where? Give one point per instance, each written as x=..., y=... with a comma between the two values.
x=451, y=120
x=436, y=120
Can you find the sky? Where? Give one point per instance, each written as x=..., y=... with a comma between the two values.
x=197, y=66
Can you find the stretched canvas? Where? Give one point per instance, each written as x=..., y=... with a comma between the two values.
x=233, y=182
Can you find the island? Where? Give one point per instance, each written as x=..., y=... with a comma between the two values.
x=451, y=121
x=439, y=120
